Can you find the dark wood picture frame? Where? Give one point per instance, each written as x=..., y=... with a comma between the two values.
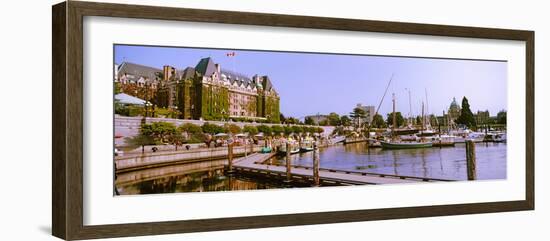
x=67, y=137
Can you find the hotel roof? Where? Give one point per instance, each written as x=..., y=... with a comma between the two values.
x=137, y=71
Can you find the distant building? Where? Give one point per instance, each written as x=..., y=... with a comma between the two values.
x=482, y=117
x=317, y=118
x=452, y=114
x=454, y=110
x=369, y=110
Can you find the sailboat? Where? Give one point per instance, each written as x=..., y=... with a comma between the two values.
x=394, y=143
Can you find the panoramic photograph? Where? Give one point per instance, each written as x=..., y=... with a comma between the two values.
x=203, y=119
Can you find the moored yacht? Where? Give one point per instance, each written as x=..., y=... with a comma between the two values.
x=396, y=143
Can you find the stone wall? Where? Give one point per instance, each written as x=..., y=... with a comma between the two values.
x=165, y=158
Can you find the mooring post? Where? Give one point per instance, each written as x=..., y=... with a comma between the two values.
x=471, y=159
x=316, y=180
x=245, y=147
x=230, y=158
x=288, y=174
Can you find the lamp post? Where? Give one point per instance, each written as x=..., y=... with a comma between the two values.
x=175, y=110
x=146, y=99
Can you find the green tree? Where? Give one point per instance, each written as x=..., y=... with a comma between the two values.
x=288, y=130
x=251, y=130
x=323, y=122
x=277, y=129
x=159, y=131
x=190, y=128
x=378, y=121
x=212, y=128
x=357, y=115
x=265, y=129
x=466, y=116
x=233, y=129
x=319, y=130
x=297, y=129
x=309, y=121
x=501, y=117
x=117, y=88
x=194, y=132
x=139, y=140
x=338, y=130
x=334, y=119
x=345, y=120
x=176, y=138
x=292, y=120
x=399, y=119
x=282, y=118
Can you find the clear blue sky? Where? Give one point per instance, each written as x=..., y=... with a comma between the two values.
x=311, y=83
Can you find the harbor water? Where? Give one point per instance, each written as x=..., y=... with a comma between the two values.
x=442, y=163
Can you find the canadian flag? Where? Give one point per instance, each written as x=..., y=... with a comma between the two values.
x=230, y=54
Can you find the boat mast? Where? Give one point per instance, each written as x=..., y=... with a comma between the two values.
x=394, y=117
x=428, y=122
x=410, y=109
x=423, y=117
x=380, y=104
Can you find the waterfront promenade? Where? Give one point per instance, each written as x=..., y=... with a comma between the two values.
x=139, y=161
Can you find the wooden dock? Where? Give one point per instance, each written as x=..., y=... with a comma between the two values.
x=254, y=164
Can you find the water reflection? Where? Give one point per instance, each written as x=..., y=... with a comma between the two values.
x=167, y=180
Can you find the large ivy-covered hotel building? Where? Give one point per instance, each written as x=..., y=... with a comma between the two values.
x=205, y=91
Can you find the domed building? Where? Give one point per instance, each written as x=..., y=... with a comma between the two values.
x=454, y=111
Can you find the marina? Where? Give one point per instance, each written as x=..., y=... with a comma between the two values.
x=338, y=165
x=197, y=124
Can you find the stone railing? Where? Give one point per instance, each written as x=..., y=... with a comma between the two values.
x=185, y=156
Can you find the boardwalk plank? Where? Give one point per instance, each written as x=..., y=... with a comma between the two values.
x=252, y=161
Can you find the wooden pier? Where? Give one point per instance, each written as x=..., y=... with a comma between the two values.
x=254, y=164
x=354, y=140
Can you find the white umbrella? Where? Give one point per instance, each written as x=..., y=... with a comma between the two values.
x=128, y=99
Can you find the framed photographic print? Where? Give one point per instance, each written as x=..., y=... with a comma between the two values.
x=172, y=120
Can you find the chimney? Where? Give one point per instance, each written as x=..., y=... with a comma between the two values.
x=218, y=68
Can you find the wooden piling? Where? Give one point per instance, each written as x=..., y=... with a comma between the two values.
x=471, y=159
x=230, y=158
x=288, y=164
x=316, y=179
x=245, y=148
